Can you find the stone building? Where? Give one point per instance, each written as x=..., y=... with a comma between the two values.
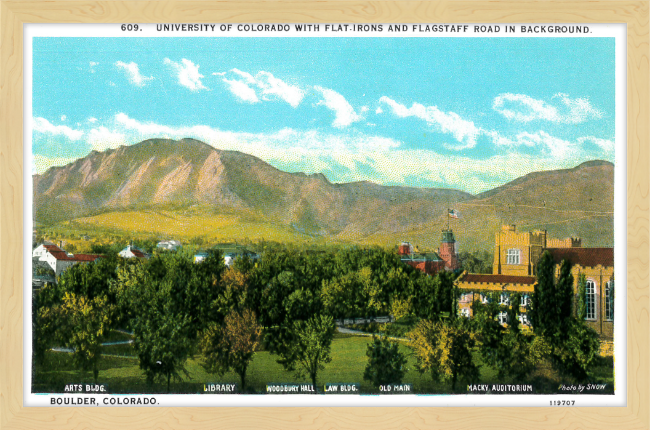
x=515, y=260
x=432, y=262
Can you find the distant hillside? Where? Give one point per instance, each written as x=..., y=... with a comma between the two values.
x=161, y=176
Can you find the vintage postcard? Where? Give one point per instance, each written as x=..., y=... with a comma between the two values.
x=325, y=214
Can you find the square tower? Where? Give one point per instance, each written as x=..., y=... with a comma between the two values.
x=448, y=250
x=517, y=253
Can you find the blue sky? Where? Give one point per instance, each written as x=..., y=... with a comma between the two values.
x=465, y=113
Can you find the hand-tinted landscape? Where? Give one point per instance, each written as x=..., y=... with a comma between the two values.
x=189, y=190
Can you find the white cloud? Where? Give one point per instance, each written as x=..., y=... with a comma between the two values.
x=187, y=73
x=248, y=78
x=345, y=114
x=272, y=86
x=580, y=110
x=42, y=125
x=218, y=73
x=353, y=155
x=92, y=120
x=464, y=131
x=379, y=110
x=133, y=73
x=242, y=91
x=556, y=147
x=358, y=156
x=257, y=143
x=92, y=66
x=63, y=117
x=102, y=138
x=523, y=108
x=604, y=144
x=246, y=86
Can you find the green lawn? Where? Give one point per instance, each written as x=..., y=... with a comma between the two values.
x=348, y=362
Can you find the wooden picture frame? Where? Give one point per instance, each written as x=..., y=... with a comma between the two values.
x=13, y=415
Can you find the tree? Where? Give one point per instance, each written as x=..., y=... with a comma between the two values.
x=551, y=307
x=433, y=295
x=231, y=346
x=476, y=262
x=310, y=350
x=162, y=335
x=490, y=331
x=354, y=294
x=386, y=364
x=582, y=297
x=86, y=323
x=46, y=324
x=573, y=345
x=576, y=356
x=512, y=352
x=90, y=279
x=445, y=351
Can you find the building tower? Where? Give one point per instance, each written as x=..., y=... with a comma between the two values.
x=448, y=250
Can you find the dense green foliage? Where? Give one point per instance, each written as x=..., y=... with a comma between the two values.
x=573, y=345
x=476, y=262
x=445, y=350
x=231, y=346
x=513, y=352
x=285, y=304
x=310, y=350
x=386, y=364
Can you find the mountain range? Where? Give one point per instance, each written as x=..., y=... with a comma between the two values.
x=177, y=176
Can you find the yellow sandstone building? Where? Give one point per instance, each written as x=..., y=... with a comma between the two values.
x=514, y=270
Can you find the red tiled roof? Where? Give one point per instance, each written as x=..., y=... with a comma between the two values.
x=61, y=255
x=52, y=248
x=497, y=279
x=137, y=253
x=86, y=257
x=585, y=257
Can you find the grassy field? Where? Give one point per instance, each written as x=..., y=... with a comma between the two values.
x=186, y=225
x=348, y=362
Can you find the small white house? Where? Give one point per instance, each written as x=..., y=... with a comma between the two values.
x=58, y=259
x=132, y=252
x=169, y=245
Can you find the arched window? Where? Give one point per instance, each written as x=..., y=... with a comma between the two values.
x=609, y=301
x=524, y=300
x=512, y=256
x=590, y=300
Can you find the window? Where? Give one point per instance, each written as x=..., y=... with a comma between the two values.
x=465, y=312
x=503, y=317
x=590, y=300
x=609, y=301
x=524, y=300
x=513, y=256
x=504, y=299
x=523, y=319
x=485, y=298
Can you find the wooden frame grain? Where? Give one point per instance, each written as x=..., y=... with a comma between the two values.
x=13, y=13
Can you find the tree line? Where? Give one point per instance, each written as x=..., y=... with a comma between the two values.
x=287, y=302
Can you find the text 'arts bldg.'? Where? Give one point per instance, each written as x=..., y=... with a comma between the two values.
x=514, y=271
